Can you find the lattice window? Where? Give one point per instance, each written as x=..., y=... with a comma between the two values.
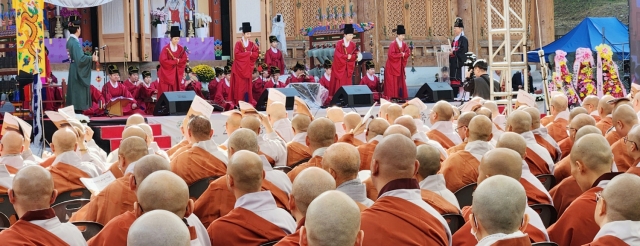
x=482, y=5
x=394, y=15
x=496, y=21
x=418, y=18
x=517, y=7
x=310, y=13
x=440, y=18
x=287, y=9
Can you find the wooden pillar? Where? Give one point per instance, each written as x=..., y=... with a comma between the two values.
x=85, y=26
x=465, y=11
x=546, y=21
x=215, y=27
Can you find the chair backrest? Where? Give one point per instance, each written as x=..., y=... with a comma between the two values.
x=269, y=243
x=66, y=209
x=88, y=229
x=283, y=169
x=544, y=244
x=455, y=221
x=72, y=195
x=6, y=211
x=547, y=212
x=196, y=189
x=548, y=180
x=305, y=160
x=465, y=194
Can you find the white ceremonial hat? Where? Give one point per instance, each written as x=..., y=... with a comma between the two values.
x=418, y=103
x=526, y=98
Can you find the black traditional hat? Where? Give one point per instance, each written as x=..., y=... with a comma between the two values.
x=400, y=30
x=112, y=69
x=229, y=62
x=74, y=21
x=219, y=71
x=146, y=74
x=273, y=39
x=175, y=31
x=275, y=70
x=369, y=65
x=246, y=27
x=187, y=69
x=227, y=69
x=327, y=64
x=263, y=67
x=458, y=23
x=348, y=29
x=298, y=66
x=132, y=70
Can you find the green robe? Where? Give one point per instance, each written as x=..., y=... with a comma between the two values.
x=79, y=82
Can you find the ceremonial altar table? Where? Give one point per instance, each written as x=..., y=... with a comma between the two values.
x=199, y=49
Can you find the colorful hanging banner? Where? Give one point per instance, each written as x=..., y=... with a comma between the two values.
x=30, y=35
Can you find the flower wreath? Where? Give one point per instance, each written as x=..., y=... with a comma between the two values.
x=608, y=78
x=562, y=78
x=583, y=79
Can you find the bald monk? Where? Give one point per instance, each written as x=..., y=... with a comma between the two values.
x=500, y=221
x=204, y=159
x=431, y=182
x=617, y=214
x=414, y=112
x=151, y=143
x=67, y=168
x=461, y=168
x=591, y=166
x=562, y=169
x=336, y=115
x=463, y=131
x=184, y=144
x=498, y=119
x=321, y=135
x=297, y=149
x=483, y=111
x=392, y=170
x=393, y=112
x=32, y=194
x=255, y=218
x=272, y=146
x=342, y=161
x=374, y=133
x=135, y=119
x=308, y=185
x=441, y=126
x=636, y=104
x=332, y=219
x=612, y=136
x=384, y=105
x=542, y=136
x=624, y=118
x=538, y=159
x=232, y=124
x=351, y=120
x=494, y=129
x=11, y=146
x=159, y=228
x=558, y=127
x=604, y=110
x=397, y=129
x=536, y=192
x=590, y=103
x=634, y=152
x=407, y=122
x=279, y=119
x=218, y=200
x=501, y=161
x=132, y=131
x=117, y=198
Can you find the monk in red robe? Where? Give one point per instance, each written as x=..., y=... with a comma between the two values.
x=223, y=95
x=395, y=84
x=215, y=82
x=173, y=60
x=97, y=103
x=371, y=80
x=114, y=89
x=147, y=93
x=133, y=82
x=320, y=135
x=245, y=53
x=273, y=56
x=299, y=75
x=344, y=61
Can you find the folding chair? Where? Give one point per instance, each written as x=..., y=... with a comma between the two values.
x=88, y=229
x=196, y=189
x=465, y=195
x=66, y=209
x=6, y=211
x=548, y=180
x=455, y=221
x=547, y=212
x=544, y=244
x=73, y=195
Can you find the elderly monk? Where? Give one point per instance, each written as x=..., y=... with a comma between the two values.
x=604, y=110
x=407, y=122
x=351, y=120
x=218, y=200
x=431, y=182
x=624, y=118
x=204, y=159
x=158, y=228
x=67, y=168
x=332, y=219
x=392, y=170
x=255, y=218
x=591, y=166
x=538, y=159
x=232, y=124
x=463, y=131
x=501, y=161
x=542, y=136
x=617, y=213
x=131, y=131
x=11, y=146
x=308, y=185
x=562, y=169
x=632, y=149
x=442, y=128
x=536, y=192
x=393, y=112
x=279, y=119
x=498, y=119
x=558, y=127
x=321, y=135
x=117, y=198
x=32, y=195
x=590, y=103
x=499, y=221
x=151, y=143
x=271, y=145
x=342, y=161
x=297, y=149
x=461, y=168
x=374, y=133
x=336, y=115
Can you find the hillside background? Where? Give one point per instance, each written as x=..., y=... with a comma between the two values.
x=569, y=13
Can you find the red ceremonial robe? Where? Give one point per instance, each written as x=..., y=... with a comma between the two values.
x=144, y=96
x=171, y=72
x=395, y=84
x=213, y=87
x=195, y=86
x=260, y=85
x=131, y=87
x=96, y=100
x=372, y=84
x=109, y=92
x=302, y=79
x=325, y=81
x=241, y=71
x=274, y=59
x=223, y=96
x=342, y=69
x=243, y=227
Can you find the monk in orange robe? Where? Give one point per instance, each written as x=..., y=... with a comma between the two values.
x=590, y=103
x=558, y=127
x=442, y=128
x=297, y=149
x=351, y=120
x=321, y=134
x=463, y=131
x=330, y=214
x=67, y=169
x=537, y=157
x=566, y=145
x=117, y=198
x=605, y=110
x=374, y=134
x=542, y=136
x=632, y=139
x=612, y=137
x=624, y=118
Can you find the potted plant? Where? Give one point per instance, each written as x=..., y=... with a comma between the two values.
x=202, y=25
x=204, y=72
x=67, y=13
x=158, y=21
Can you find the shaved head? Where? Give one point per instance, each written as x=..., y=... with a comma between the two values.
x=443, y=111
x=590, y=156
x=300, y=123
x=580, y=121
x=621, y=204
x=383, y=110
x=500, y=161
x=624, y=117
x=322, y=133
x=233, y=122
x=397, y=129
x=590, y=103
x=158, y=228
x=276, y=111
x=407, y=122
x=245, y=169
x=335, y=114
x=576, y=111
x=132, y=149
x=535, y=117
x=147, y=129
x=251, y=123
x=342, y=160
x=243, y=139
x=519, y=122
x=393, y=158
x=491, y=105
x=484, y=111
x=200, y=128
x=465, y=118
x=135, y=119
x=308, y=185
x=393, y=112
x=429, y=159
x=513, y=141
x=333, y=218
x=149, y=164
x=134, y=131
x=12, y=142
x=559, y=103
x=32, y=189
x=480, y=128
x=63, y=140
x=412, y=111
x=376, y=127
x=164, y=190
x=604, y=108
x=351, y=120
x=588, y=129
x=504, y=215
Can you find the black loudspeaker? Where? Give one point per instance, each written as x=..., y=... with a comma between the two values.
x=289, y=92
x=353, y=96
x=174, y=103
x=435, y=91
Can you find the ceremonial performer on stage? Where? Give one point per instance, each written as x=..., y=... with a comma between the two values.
x=173, y=60
x=245, y=54
x=395, y=79
x=299, y=75
x=114, y=88
x=371, y=81
x=192, y=84
x=146, y=93
x=133, y=81
x=223, y=92
x=273, y=56
x=213, y=85
x=262, y=82
x=79, y=70
x=344, y=61
x=457, y=57
x=51, y=93
x=325, y=79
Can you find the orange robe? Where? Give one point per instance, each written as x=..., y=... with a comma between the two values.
x=577, y=226
x=546, y=120
x=67, y=177
x=114, y=232
x=440, y=138
x=243, y=227
x=457, y=148
x=366, y=154
x=548, y=146
x=315, y=161
x=596, y=117
x=372, y=192
x=293, y=239
x=537, y=165
x=115, y=170
x=612, y=137
x=564, y=193
x=460, y=169
x=558, y=129
x=463, y=236
x=438, y=202
x=607, y=240
x=605, y=124
x=217, y=200
x=195, y=164
x=634, y=169
x=26, y=233
x=418, y=227
x=621, y=156
x=350, y=139
x=565, y=146
x=116, y=199
x=48, y=162
x=534, y=195
x=174, y=148
x=297, y=152
x=562, y=169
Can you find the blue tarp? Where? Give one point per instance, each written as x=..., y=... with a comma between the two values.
x=589, y=34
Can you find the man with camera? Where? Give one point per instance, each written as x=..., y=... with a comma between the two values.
x=477, y=81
